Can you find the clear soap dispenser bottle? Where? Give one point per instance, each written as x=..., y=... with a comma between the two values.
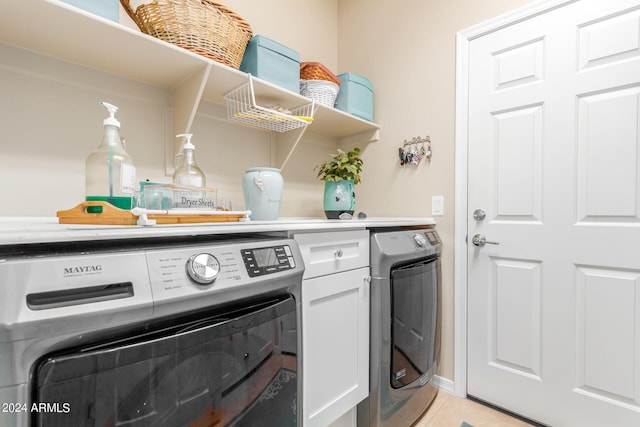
x=110, y=174
x=187, y=171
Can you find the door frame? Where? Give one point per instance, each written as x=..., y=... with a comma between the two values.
x=463, y=40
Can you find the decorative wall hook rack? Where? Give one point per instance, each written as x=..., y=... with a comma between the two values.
x=413, y=151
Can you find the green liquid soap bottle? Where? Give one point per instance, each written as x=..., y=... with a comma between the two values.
x=187, y=171
x=110, y=175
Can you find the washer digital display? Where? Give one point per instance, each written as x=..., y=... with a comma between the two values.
x=265, y=257
x=261, y=261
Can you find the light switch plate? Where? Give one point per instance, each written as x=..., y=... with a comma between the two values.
x=437, y=205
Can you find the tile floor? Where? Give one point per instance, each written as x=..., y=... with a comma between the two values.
x=448, y=410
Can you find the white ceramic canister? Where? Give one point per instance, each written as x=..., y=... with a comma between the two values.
x=262, y=189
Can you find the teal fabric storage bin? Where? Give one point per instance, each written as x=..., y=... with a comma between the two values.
x=272, y=61
x=109, y=9
x=355, y=96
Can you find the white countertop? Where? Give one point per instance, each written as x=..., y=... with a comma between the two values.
x=28, y=230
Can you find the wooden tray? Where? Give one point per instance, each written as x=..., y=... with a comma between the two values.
x=111, y=215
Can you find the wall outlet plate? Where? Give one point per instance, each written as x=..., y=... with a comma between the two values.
x=437, y=205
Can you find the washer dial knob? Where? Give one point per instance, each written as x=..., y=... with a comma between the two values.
x=203, y=268
x=420, y=240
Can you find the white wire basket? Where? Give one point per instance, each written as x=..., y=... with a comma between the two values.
x=242, y=107
x=321, y=91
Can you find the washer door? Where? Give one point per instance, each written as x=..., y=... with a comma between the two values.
x=414, y=314
x=226, y=368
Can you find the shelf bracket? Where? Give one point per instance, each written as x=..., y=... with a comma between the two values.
x=186, y=101
x=288, y=142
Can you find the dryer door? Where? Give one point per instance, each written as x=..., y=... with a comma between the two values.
x=414, y=314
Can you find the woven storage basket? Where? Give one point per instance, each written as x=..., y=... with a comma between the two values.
x=205, y=27
x=322, y=91
x=317, y=71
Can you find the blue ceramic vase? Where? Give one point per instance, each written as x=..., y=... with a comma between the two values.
x=262, y=188
x=339, y=198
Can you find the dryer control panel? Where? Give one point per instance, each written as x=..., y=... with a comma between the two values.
x=433, y=237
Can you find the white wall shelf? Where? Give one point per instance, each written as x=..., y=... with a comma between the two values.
x=56, y=29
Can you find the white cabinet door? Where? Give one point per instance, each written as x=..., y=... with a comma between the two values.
x=335, y=345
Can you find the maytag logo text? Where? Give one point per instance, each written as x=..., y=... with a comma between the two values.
x=82, y=270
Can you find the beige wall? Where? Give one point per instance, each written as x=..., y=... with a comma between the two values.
x=313, y=31
x=50, y=120
x=408, y=51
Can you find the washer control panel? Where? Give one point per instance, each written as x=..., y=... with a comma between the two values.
x=262, y=261
x=191, y=276
x=203, y=268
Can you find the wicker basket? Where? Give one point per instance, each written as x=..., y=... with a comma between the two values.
x=322, y=91
x=205, y=27
x=317, y=71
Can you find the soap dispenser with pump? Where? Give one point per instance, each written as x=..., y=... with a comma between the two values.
x=187, y=171
x=110, y=174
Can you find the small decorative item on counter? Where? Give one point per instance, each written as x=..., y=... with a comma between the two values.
x=110, y=174
x=140, y=194
x=356, y=96
x=262, y=188
x=206, y=27
x=187, y=171
x=341, y=174
x=176, y=196
x=319, y=83
x=272, y=61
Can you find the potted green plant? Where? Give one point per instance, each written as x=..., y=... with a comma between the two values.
x=341, y=173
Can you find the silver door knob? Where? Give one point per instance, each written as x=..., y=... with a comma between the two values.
x=479, y=214
x=479, y=240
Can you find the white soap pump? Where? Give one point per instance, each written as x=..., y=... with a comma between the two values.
x=110, y=174
x=187, y=171
x=111, y=120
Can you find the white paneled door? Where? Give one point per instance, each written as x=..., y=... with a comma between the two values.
x=554, y=180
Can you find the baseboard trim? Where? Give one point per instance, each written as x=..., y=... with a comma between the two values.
x=443, y=384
